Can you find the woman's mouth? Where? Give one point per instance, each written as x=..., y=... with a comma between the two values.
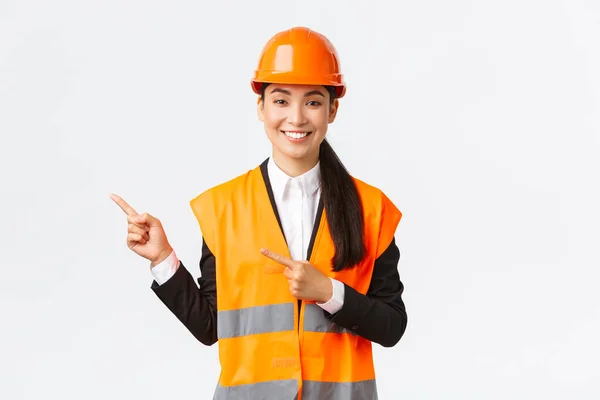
x=295, y=136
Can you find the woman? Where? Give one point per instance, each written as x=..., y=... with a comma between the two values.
x=301, y=254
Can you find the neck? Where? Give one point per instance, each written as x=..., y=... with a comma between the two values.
x=295, y=166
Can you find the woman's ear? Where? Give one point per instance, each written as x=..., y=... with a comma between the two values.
x=260, y=110
x=333, y=110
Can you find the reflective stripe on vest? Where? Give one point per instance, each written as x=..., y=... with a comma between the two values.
x=363, y=390
x=315, y=321
x=275, y=390
x=311, y=390
x=254, y=320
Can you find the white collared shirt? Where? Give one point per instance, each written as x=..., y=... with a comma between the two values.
x=297, y=200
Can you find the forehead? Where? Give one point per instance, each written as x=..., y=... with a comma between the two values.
x=293, y=89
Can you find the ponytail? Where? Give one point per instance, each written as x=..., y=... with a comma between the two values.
x=342, y=204
x=343, y=209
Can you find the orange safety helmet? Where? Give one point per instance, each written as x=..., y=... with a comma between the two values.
x=299, y=56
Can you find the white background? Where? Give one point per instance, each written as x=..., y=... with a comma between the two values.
x=479, y=119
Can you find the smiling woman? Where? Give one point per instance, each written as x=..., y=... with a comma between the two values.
x=296, y=118
x=301, y=253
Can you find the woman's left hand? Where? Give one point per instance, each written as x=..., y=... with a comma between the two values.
x=306, y=282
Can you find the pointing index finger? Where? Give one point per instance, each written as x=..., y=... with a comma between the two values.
x=123, y=204
x=277, y=257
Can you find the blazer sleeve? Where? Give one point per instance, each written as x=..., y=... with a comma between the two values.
x=380, y=314
x=195, y=306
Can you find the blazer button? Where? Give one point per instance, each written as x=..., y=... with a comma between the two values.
x=354, y=327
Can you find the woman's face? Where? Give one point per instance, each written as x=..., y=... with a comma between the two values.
x=296, y=119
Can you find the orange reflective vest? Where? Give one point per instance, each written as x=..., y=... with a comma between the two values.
x=269, y=348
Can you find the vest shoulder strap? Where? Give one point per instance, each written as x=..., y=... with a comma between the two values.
x=208, y=206
x=377, y=207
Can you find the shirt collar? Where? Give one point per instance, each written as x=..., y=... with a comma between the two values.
x=309, y=182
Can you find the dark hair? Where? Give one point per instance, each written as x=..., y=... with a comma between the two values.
x=342, y=204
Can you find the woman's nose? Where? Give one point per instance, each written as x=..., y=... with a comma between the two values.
x=297, y=116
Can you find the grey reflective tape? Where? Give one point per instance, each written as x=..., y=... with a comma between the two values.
x=362, y=390
x=315, y=321
x=271, y=390
x=253, y=320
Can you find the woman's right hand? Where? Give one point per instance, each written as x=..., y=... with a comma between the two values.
x=145, y=234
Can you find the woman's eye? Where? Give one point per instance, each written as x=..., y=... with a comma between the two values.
x=279, y=101
x=314, y=103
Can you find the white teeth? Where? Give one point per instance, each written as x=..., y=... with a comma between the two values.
x=296, y=135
